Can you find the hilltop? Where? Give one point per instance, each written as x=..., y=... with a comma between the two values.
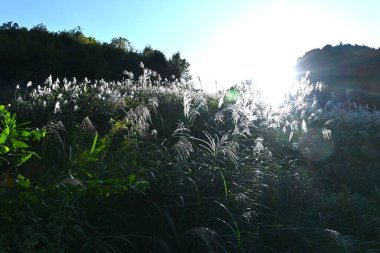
x=34, y=54
x=344, y=70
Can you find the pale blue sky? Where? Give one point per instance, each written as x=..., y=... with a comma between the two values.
x=168, y=25
x=224, y=40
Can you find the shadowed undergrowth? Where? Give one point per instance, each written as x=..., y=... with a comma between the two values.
x=152, y=165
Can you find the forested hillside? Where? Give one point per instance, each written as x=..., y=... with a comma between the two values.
x=344, y=70
x=34, y=54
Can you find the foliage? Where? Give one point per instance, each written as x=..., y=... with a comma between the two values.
x=151, y=165
x=344, y=70
x=122, y=43
x=14, y=146
x=31, y=55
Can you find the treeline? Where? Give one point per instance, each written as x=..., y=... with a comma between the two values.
x=345, y=70
x=34, y=54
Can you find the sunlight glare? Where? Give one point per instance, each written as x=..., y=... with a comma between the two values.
x=263, y=46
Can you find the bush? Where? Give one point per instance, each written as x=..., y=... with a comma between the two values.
x=141, y=167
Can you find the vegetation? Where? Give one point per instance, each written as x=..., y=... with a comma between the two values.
x=345, y=70
x=150, y=165
x=32, y=55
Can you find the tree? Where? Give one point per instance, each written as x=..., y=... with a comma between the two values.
x=40, y=27
x=9, y=25
x=122, y=43
x=148, y=51
x=180, y=66
x=32, y=55
x=156, y=60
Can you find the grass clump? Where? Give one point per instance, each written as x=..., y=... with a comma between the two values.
x=151, y=165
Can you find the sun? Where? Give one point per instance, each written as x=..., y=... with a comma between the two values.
x=276, y=80
x=262, y=46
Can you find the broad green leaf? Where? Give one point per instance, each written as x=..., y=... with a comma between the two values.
x=25, y=134
x=4, y=149
x=7, y=117
x=4, y=135
x=11, y=121
x=19, y=144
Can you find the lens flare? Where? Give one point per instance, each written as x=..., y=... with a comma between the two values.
x=315, y=147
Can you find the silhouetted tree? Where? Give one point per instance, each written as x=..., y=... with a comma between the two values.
x=32, y=55
x=40, y=27
x=180, y=66
x=9, y=25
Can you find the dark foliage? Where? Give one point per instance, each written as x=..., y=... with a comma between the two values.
x=32, y=55
x=345, y=70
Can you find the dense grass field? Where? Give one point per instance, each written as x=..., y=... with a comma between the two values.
x=152, y=165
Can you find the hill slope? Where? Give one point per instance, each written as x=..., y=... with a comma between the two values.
x=34, y=54
x=344, y=69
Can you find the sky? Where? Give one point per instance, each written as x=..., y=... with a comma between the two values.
x=225, y=41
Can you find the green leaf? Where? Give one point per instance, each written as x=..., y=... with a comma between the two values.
x=19, y=144
x=23, y=181
x=4, y=135
x=92, y=159
x=4, y=149
x=7, y=117
x=24, y=159
x=94, y=144
x=98, y=150
x=25, y=134
x=11, y=121
x=131, y=179
x=37, y=135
